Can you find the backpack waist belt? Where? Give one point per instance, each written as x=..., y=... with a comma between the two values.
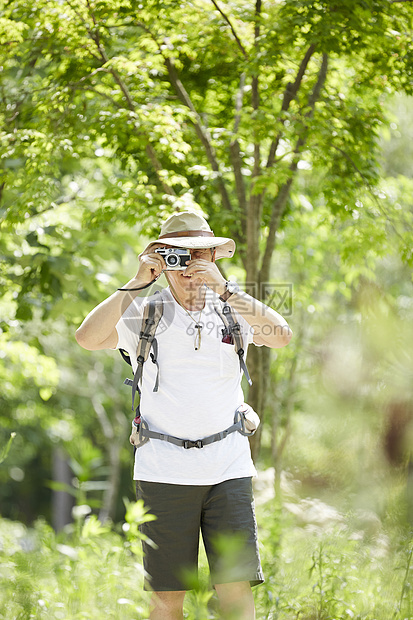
x=141, y=434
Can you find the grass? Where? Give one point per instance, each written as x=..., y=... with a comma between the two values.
x=318, y=566
x=332, y=571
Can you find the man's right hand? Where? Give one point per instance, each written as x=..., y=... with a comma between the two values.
x=151, y=266
x=98, y=330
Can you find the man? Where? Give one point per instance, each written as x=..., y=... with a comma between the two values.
x=191, y=487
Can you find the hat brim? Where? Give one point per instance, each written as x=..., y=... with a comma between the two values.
x=225, y=247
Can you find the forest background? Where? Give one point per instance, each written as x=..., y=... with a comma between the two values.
x=289, y=125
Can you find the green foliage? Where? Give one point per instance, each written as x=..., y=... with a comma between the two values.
x=97, y=145
x=6, y=449
x=323, y=571
x=89, y=573
x=334, y=575
x=97, y=130
x=93, y=78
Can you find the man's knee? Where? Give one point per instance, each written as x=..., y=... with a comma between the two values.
x=165, y=605
x=236, y=600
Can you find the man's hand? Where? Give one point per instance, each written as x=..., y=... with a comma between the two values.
x=207, y=273
x=98, y=330
x=151, y=266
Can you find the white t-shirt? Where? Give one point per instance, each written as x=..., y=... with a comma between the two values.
x=198, y=394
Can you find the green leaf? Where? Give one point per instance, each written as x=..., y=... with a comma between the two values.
x=6, y=449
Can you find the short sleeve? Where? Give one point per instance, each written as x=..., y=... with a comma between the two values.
x=129, y=326
x=246, y=329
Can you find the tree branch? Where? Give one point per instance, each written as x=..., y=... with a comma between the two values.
x=236, y=162
x=254, y=206
x=281, y=200
x=236, y=159
x=241, y=47
x=90, y=75
x=2, y=186
x=63, y=200
x=82, y=19
x=201, y=130
x=290, y=93
x=102, y=416
x=370, y=188
x=150, y=151
x=315, y=95
x=238, y=103
x=99, y=92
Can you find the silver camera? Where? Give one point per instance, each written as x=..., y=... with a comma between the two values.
x=175, y=258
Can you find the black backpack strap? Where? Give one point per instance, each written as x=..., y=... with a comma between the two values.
x=152, y=314
x=154, y=358
x=234, y=329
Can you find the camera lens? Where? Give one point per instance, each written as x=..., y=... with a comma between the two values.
x=171, y=260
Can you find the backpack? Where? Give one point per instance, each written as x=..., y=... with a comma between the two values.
x=152, y=314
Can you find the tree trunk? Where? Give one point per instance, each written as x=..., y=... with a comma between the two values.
x=409, y=492
x=115, y=435
x=107, y=510
x=62, y=502
x=258, y=364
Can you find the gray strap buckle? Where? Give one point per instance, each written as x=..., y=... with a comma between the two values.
x=187, y=443
x=138, y=437
x=240, y=417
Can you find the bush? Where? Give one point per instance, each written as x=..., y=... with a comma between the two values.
x=318, y=565
x=89, y=571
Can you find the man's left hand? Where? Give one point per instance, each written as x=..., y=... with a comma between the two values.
x=207, y=273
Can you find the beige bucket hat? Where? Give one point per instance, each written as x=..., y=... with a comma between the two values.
x=190, y=230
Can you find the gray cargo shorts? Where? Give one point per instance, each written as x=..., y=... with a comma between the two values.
x=224, y=514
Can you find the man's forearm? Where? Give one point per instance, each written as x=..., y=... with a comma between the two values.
x=270, y=328
x=98, y=329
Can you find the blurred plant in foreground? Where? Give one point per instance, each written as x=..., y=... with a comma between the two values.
x=87, y=571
